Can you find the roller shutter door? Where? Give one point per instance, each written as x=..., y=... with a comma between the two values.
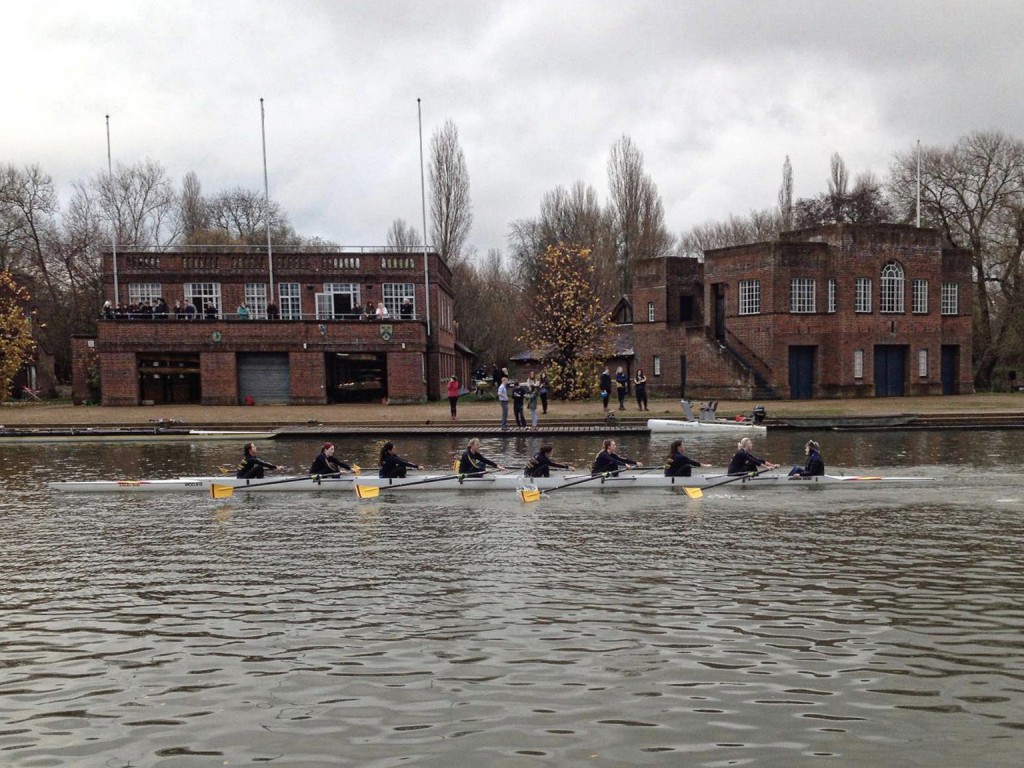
x=264, y=377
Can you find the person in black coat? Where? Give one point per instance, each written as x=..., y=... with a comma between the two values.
x=679, y=464
x=326, y=464
x=391, y=464
x=606, y=387
x=518, y=398
x=251, y=467
x=540, y=465
x=744, y=462
x=474, y=463
x=815, y=465
x=609, y=461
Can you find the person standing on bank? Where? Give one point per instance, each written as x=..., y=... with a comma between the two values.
x=540, y=465
x=606, y=387
x=679, y=464
x=815, y=466
x=326, y=464
x=503, y=401
x=453, y=395
x=609, y=461
x=543, y=390
x=621, y=387
x=391, y=464
x=531, y=403
x=473, y=463
x=640, y=387
x=518, y=397
x=251, y=467
x=744, y=462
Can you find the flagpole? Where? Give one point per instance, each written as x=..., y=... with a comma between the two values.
x=113, y=237
x=266, y=198
x=423, y=201
x=918, y=183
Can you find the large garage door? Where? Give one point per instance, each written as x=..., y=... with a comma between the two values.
x=264, y=377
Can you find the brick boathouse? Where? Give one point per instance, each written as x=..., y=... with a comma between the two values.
x=320, y=339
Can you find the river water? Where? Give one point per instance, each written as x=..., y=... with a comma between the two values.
x=834, y=626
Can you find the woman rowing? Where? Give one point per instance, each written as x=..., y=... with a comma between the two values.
x=815, y=465
x=391, y=464
x=744, y=462
x=251, y=466
x=326, y=464
x=540, y=465
x=473, y=463
x=679, y=464
x=609, y=461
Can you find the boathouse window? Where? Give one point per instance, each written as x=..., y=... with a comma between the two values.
x=858, y=363
x=750, y=297
x=686, y=309
x=657, y=365
x=395, y=295
x=801, y=294
x=891, y=296
x=291, y=301
x=143, y=293
x=256, y=300
x=920, y=301
x=950, y=299
x=650, y=311
x=203, y=296
x=922, y=363
x=339, y=300
x=862, y=302
x=831, y=294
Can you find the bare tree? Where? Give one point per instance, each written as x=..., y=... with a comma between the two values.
x=142, y=202
x=240, y=215
x=755, y=227
x=484, y=287
x=638, y=212
x=451, y=209
x=402, y=236
x=786, y=195
x=193, y=213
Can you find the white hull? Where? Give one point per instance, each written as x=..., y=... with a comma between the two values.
x=494, y=482
x=720, y=426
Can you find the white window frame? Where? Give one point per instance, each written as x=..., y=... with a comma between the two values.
x=325, y=306
x=858, y=363
x=749, y=296
x=950, y=304
x=290, y=296
x=204, y=292
x=801, y=295
x=650, y=311
x=922, y=363
x=143, y=293
x=890, y=292
x=831, y=295
x=256, y=300
x=862, y=302
x=394, y=294
x=657, y=365
x=919, y=289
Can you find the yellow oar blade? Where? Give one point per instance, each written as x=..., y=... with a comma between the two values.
x=455, y=466
x=529, y=495
x=225, y=469
x=694, y=493
x=367, y=491
x=222, y=491
x=356, y=469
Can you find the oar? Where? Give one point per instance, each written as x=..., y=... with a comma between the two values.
x=372, y=491
x=697, y=493
x=227, y=491
x=532, y=494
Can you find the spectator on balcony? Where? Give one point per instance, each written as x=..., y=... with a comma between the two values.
x=108, y=310
x=243, y=311
x=179, y=311
x=190, y=310
x=211, y=311
x=382, y=311
x=406, y=312
x=160, y=309
x=370, y=312
x=272, y=311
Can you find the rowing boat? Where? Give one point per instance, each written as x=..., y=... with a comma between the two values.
x=506, y=481
x=718, y=426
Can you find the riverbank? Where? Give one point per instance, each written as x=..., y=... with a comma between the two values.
x=471, y=411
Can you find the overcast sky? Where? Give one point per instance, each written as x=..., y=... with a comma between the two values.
x=715, y=94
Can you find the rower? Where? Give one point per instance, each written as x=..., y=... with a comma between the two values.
x=391, y=464
x=473, y=463
x=251, y=467
x=744, y=462
x=540, y=465
x=326, y=464
x=815, y=465
x=609, y=461
x=678, y=463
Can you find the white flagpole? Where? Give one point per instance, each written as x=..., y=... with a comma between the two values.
x=423, y=200
x=113, y=243
x=918, y=183
x=266, y=198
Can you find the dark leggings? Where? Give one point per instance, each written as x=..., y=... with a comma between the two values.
x=453, y=404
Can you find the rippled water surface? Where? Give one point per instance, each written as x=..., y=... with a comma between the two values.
x=771, y=627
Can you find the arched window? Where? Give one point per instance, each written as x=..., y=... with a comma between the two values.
x=892, y=288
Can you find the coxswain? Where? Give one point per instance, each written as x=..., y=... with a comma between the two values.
x=326, y=464
x=251, y=467
x=473, y=463
x=391, y=464
x=744, y=462
x=609, y=461
x=540, y=465
x=815, y=465
x=678, y=463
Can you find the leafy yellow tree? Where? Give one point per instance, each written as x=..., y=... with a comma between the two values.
x=569, y=326
x=16, y=343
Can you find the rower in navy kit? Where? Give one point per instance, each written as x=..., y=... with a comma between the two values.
x=251, y=467
x=609, y=461
x=391, y=464
x=473, y=463
x=815, y=465
x=744, y=462
x=326, y=464
x=540, y=465
x=679, y=464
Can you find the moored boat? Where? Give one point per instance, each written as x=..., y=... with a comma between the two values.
x=718, y=426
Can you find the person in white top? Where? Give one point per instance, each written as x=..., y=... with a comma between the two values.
x=382, y=311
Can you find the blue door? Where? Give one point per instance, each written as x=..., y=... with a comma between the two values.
x=890, y=370
x=801, y=372
x=950, y=360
